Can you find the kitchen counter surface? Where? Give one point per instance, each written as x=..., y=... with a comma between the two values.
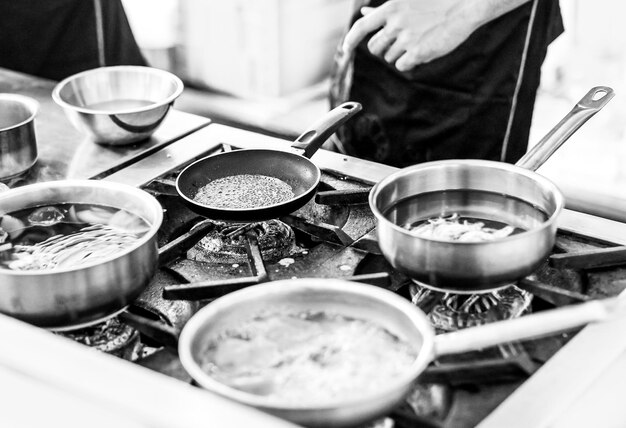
x=64, y=152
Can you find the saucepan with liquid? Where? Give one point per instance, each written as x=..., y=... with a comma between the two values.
x=472, y=225
x=74, y=252
x=260, y=184
x=327, y=352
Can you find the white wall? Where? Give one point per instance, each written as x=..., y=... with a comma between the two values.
x=591, y=52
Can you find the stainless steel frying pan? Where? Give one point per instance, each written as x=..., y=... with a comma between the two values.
x=376, y=305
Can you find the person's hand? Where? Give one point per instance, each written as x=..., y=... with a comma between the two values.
x=412, y=32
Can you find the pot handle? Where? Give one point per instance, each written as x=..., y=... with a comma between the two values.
x=529, y=326
x=317, y=134
x=589, y=105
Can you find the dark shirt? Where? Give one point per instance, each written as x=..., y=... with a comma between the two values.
x=456, y=106
x=58, y=38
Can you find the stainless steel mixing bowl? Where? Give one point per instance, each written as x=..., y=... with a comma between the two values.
x=118, y=105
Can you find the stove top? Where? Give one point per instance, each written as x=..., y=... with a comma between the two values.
x=334, y=236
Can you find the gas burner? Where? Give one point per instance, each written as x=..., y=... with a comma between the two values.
x=226, y=242
x=110, y=336
x=450, y=311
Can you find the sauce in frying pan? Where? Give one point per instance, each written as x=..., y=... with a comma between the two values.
x=307, y=357
x=244, y=191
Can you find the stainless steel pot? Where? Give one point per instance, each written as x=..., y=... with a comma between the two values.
x=366, y=302
x=18, y=143
x=510, y=194
x=69, y=298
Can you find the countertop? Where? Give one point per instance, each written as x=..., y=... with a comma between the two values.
x=64, y=152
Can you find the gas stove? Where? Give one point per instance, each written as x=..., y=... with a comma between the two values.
x=334, y=236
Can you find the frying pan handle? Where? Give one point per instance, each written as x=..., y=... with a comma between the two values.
x=589, y=105
x=529, y=326
x=317, y=134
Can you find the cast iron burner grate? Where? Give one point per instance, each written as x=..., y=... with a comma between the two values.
x=111, y=336
x=226, y=242
x=451, y=311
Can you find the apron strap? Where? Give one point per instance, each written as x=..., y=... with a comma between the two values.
x=518, y=84
x=99, y=32
x=341, y=80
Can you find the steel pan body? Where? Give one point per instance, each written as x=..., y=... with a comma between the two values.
x=68, y=298
x=18, y=141
x=467, y=266
x=359, y=301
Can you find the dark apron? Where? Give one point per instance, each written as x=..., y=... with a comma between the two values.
x=57, y=38
x=461, y=105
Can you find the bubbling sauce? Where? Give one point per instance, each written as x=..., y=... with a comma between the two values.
x=307, y=357
x=244, y=191
x=66, y=235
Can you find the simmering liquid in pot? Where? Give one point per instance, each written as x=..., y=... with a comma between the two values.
x=307, y=357
x=469, y=213
x=66, y=235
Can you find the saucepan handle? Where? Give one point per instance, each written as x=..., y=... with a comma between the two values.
x=589, y=105
x=317, y=134
x=529, y=326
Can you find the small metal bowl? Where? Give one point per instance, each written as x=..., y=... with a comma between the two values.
x=18, y=142
x=118, y=105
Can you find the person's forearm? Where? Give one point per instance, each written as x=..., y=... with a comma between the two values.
x=412, y=32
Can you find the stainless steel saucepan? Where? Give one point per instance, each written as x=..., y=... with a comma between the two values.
x=73, y=297
x=514, y=195
x=365, y=302
x=18, y=142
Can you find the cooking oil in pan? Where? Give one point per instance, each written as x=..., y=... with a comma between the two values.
x=504, y=214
